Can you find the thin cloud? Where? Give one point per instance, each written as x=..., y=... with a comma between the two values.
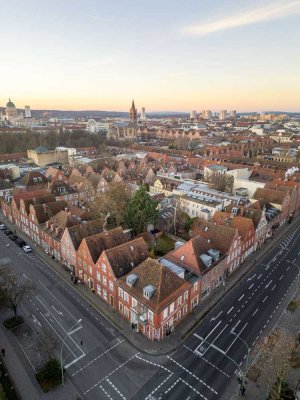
x=249, y=17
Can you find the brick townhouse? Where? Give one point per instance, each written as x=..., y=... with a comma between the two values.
x=153, y=299
x=91, y=248
x=279, y=200
x=34, y=180
x=245, y=229
x=226, y=239
x=10, y=206
x=201, y=257
x=72, y=238
x=258, y=216
x=116, y=262
x=40, y=211
x=51, y=231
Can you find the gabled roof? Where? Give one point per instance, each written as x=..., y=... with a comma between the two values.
x=45, y=211
x=79, y=232
x=166, y=284
x=188, y=255
x=270, y=195
x=96, y=244
x=60, y=222
x=222, y=236
x=242, y=224
x=127, y=256
x=34, y=178
x=24, y=194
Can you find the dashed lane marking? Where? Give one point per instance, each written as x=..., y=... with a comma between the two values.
x=111, y=373
x=99, y=356
x=115, y=389
x=208, y=362
x=193, y=375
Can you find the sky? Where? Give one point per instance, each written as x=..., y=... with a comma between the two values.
x=165, y=54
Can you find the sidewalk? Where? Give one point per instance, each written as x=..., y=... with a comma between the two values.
x=23, y=379
x=170, y=343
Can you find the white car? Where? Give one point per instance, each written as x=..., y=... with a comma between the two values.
x=27, y=249
x=2, y=227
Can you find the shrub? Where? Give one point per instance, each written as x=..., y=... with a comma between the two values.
x=50, y=375
x=13, y=322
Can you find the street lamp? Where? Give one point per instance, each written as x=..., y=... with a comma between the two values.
x=248, y=349
x=61, y=350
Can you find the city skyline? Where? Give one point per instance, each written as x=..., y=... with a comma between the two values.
x=98, y=56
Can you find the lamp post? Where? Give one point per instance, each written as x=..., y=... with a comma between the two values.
x=61, y=350
x=248, y=349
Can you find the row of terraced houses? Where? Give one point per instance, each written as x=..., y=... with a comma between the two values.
x=153, y=295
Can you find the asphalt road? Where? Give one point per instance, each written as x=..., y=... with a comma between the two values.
x=103, y=365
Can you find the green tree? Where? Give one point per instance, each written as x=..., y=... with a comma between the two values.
x=140, y=211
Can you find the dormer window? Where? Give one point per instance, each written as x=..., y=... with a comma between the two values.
x=131, y=279
x=148, y=291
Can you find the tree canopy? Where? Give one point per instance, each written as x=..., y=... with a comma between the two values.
x=113, y=202
x=141, y=210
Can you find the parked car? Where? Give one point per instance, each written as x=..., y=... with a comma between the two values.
x=7, y=232
x=2, y=227
x=13, y=237
x=27, y=249
x=20, y=242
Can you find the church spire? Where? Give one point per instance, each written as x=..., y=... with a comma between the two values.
x=133, y=113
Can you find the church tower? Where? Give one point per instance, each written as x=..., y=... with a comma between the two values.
x=133, y=114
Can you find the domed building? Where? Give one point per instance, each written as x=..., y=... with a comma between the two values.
x=10, y=114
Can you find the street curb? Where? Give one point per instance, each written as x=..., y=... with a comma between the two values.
x=38, y=251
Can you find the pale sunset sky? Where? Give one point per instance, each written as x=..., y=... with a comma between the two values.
x=166, y=54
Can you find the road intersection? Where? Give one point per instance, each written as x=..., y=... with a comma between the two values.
x=102, y=364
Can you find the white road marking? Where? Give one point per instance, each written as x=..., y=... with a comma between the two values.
x=273, y=288
x=281, y=277
x=233, y=329
x=236, y=337
x=250, y=279
x=242, y=296
x=99, y=356
x=229, y=311
x=254, y=312
x=265, y=299
x=268, y=284
x=259, y=276
x=251, y=286
x=214, y=318
x=208, y=362
x=109, y=374
x=193, y=375
x=57, y=311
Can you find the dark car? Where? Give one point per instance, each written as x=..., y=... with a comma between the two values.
x=13, y=237
x=7, y=232
x=20, y=242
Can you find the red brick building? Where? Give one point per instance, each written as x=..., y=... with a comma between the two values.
x=115, y=263
x=245, y=229
x=153, y=299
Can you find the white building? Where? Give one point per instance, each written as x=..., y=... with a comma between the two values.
x=223, y=114
x=143, y=114
x=232, y=114
x=193, y=114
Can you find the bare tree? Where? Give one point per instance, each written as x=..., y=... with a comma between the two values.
x=274, y=360
x=222, y=182
x=13, y=288
x=113, y=202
